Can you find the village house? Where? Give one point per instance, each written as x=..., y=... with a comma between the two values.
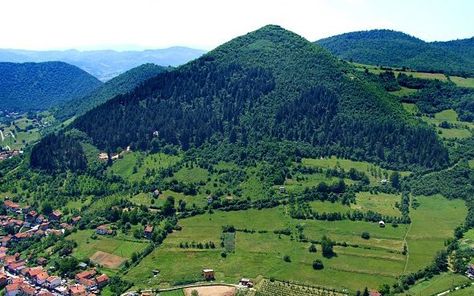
x=52, y=282
x=381, y=223
x=45, y=293
x=88, y=283
x=5, y=241
x=102, y=280
x=11, y=206
x=208, y=274
x=148, y=231
x=103, y=156
x=12, y=290
x=77, y=290
x=42, y=261
x=31, y=216
x=66, y=226
x=32, y=272
x=55, y=215
x=88, y=274
x=41, y=278
x=75, y=220
x=103, y=230
x=15, y=267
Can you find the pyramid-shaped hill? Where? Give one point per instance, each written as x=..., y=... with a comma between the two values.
x=269, y=86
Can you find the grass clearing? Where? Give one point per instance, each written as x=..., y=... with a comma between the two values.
x=120, y=245
x=382, y=203
x=423, y=242
x=438, y=284
x=411, y=108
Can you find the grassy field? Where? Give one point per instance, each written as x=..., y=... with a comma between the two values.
x=459, y=130
x=172, y=293
x=382, y=203
x=459, y=81
x=471, y=163
x=19, y=134
x=469, y=291
x=120, y=245
x=347, y=164
x=423, y=242
x=438, y=284
x=411, y=108
x=134, y=165
x=375, y=261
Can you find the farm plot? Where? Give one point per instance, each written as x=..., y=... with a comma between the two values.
x=382, y=203
x=277, y=288
x=438, y=284
x=109, y=247
x=216, y=290
x=107, y=260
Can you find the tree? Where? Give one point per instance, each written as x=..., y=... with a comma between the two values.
x=366, y=292
x=365, y=235
x=395, y=180
x=286, y=258
x=194, y=293
x=168, y=207
x=46, y=209
x=312, y=248
x=318, y=264
x=327, y=247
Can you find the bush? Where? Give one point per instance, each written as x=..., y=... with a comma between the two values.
x=286, y=258
x=318, y=264
x=312, y=248
x=365, y=235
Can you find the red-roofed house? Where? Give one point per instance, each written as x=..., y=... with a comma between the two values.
x=375, y=293
x=55, y=215
x=3, y=279
x=148, y=232
x=52, y=282
x=41, y=278
x=77, y=290
x=27, y=290
x=86, y=274
x=11, y=206
x=102, y=280
x=12, y=290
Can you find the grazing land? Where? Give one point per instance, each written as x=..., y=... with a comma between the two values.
x=374, y=261
x=438, y=284
x=459, y=129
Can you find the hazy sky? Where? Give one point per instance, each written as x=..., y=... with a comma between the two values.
x=132, y=24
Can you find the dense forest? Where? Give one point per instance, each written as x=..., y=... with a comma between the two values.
x=396, y=49
x=267, y=86
x=31, y=86
x=118, y=85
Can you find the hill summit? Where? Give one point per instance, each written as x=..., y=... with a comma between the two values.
x=269, y=92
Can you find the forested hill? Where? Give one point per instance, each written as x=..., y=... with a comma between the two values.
x=397, y=49
x=118, y=85
x=266, y=92
x=39, y=86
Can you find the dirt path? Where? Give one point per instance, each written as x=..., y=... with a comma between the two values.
x=211, y=291
x=1, y=134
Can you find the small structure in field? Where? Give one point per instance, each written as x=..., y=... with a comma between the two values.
x=246, y=282
x=470, y=271
x=208, y=274
x=148, y=231
x=382, y=223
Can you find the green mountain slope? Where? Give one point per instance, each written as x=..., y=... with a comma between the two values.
x=118, y=85
x=39, y=86
x=391, y=48
x=261, y=94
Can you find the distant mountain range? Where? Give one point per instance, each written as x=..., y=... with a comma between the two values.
x=39, y=86
x=105, y=64
x=397, y=49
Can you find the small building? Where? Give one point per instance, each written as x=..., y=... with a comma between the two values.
x=86, y=274
x=148, y=231
x=102, y=280
x=11, y=206
x=3, y=280
x=381, y=223
x=55, y=215
x=103, y=230
x=246, y=282
x=12, y=290
x=77, y=290
x=208, y=274
x=53, y=282
x=470, y=271
x=42, y=261
x=75, y=220
x=375, y=293
x=103, y=156
x=41, y=278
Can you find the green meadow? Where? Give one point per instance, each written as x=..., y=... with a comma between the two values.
x=374, y=261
